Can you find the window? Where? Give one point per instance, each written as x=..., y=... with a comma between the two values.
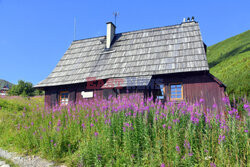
x=161, y=97
x=176, y=92
x=64, y=98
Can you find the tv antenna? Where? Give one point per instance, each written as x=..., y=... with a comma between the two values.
x=74, y=28
x=115, y=14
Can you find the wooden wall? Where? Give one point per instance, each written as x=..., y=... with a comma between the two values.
x=195, y=86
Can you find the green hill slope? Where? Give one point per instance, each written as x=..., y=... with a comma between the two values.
x=5, y=83
x=229, y=61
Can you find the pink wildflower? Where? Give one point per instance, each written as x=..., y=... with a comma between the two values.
x=83, y=125
x=177, y=148
x=212, y=164
x=59, y=123
x=164, y=126
x=246, y=106
x=214, y=105
x=221, y=138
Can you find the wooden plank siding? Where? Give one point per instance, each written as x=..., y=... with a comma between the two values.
x=47, y=99
x=195, y=86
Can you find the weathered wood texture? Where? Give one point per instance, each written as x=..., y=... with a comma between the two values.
x=195, y=86
x=47, y=100
x=162, y=50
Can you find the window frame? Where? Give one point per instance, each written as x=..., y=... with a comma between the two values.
x=60, y=98
x=170, y=94
x=163, y=91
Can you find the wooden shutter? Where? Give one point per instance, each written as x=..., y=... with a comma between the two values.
x=54, y=98
x=108, y=92
x=72, y=96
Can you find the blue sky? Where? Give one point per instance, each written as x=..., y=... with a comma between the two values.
x=34, y=34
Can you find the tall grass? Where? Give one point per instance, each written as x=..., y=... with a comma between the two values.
x=12, y=108
x=131, y=131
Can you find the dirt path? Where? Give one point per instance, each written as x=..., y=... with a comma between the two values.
x=24, y=161
x=4, y=164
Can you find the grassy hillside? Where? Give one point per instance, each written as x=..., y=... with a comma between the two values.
x=229, y=61
x=5, y=83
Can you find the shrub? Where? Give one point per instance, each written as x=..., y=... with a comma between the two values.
x=24, y=89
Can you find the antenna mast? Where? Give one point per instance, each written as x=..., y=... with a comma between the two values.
x=115, y=14
x=74, y=28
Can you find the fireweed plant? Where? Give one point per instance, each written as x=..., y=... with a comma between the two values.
x=132, y=131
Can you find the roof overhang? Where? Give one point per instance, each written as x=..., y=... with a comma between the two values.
x=217, y=80
x=127, y=82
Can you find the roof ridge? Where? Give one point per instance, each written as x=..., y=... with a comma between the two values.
x=136, y=30
x=157, y=27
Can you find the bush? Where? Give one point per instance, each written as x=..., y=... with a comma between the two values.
x=24, y=89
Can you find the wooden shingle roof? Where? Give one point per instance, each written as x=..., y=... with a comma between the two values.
x=163, y=50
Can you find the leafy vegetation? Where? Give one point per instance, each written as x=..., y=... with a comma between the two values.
x=24, y=89
x=229, y=61
x=15, y=104
x=128, y=131
x=12, y=108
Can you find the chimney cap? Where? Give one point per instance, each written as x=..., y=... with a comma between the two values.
x=110, y=22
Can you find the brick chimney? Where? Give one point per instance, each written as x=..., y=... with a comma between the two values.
x=110, y=34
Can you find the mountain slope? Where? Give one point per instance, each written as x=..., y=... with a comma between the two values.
x=5, y=83
x=229, y=61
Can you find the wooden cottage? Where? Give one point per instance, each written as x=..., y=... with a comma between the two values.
x=167, y=62
x=4, y=90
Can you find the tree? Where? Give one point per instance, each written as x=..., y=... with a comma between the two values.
x=38, y=92
x=24, y=89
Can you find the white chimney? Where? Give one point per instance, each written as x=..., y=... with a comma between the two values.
x=110, y=34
